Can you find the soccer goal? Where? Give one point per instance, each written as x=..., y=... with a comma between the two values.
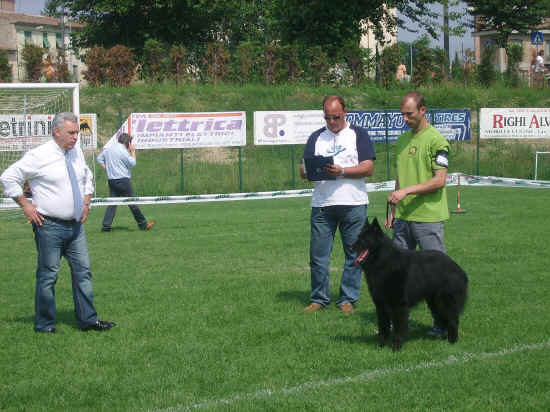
x=542, y=165
x=26, y=114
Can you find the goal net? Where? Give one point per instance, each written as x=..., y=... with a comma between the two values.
x=542, y=166
x=26, y=114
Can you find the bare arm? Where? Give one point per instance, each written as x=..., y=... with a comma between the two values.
x=303, y=171
x=29, y=210
x=362, y=170
x=435, y=183
x=132, y=150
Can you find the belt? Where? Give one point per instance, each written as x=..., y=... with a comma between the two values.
x=61, y=221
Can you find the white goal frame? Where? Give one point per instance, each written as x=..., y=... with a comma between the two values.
x=73, y=97
x=74, y=86
x=537, y=162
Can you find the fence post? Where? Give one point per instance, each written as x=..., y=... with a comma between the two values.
x=240, y=170
x=387, y=144
x=292, y=154
x=181, y=168
x=478, y=139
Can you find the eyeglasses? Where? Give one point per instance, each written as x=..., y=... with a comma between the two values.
x=333, y=117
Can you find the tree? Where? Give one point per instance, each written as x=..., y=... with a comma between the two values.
x=121, y=65
x=33, y=62
x=95, y=59
x=178, y=56
x=195, y=23
x=5, y=67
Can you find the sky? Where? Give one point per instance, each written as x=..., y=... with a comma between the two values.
x=456, y=44
x=29, y=6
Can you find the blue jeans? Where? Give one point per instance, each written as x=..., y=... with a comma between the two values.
x=55, y=239
x=428, y=235
x=324, y=222
x=122, y=188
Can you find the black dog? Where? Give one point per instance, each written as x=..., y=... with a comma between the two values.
x=398, y=279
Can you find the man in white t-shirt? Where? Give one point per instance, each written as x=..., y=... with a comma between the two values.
x=339, y=203
x=540, y=69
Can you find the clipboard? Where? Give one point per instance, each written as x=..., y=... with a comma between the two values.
x=315, y=168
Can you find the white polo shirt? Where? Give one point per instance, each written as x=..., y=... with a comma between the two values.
x=349, y=147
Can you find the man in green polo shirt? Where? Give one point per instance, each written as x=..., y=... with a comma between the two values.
x=419, y=202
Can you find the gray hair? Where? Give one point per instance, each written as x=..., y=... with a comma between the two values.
x=60, y=119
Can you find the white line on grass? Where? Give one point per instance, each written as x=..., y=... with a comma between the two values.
x=365, y=376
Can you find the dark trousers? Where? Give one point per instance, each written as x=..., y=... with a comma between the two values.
x=122, y=188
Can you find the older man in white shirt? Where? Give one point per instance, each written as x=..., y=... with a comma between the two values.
x=61, y=184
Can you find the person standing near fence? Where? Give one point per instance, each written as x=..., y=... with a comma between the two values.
x=61, y=185
x=540, y=69
x=117, y=159
x=340, y=202
x=419, y=202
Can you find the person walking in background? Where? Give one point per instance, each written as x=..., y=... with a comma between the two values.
x=117, y=159
x=61, y=185
x=338, y=202
x=419, y=202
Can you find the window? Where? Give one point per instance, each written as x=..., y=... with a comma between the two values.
x=45, y=41
x=58, y=40
x=28, y=37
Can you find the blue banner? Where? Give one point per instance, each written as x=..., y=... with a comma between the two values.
x=453, y=124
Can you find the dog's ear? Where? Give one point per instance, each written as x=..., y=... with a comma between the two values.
x=376, y=225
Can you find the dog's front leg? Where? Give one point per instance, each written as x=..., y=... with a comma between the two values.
x=384, y=324
x=400, y=319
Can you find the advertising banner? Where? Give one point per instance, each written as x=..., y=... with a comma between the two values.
x=452, y=124
x=514, y=123
x=19, y=133
x=185, y=130
x=294, y=127
x=286, y=127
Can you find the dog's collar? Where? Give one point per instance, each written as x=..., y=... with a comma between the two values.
x=362, y=256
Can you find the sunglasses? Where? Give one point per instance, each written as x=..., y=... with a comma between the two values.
x=333, y=117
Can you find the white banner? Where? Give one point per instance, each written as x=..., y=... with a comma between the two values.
x=514, y=123
x=286, y=127
x=19, y=133
x=185, y=130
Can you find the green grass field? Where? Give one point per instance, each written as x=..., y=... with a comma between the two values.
x=208, y=311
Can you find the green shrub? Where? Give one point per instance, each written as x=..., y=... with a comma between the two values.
x=486, y=70
x=514, y=51
x=154, y=60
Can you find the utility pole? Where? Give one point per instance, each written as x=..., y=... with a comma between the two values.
x=446, y=46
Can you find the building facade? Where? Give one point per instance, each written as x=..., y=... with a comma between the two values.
x=483, y=38
x=52, y=34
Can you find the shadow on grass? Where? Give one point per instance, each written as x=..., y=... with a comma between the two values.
x=299, y=296
x=65, y=317
x=417, y=331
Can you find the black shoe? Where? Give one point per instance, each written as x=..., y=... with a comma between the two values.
x=100, y=326
x=47, y=330
x=106, y=229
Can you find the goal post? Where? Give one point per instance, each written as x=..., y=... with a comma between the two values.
x=26, y=114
